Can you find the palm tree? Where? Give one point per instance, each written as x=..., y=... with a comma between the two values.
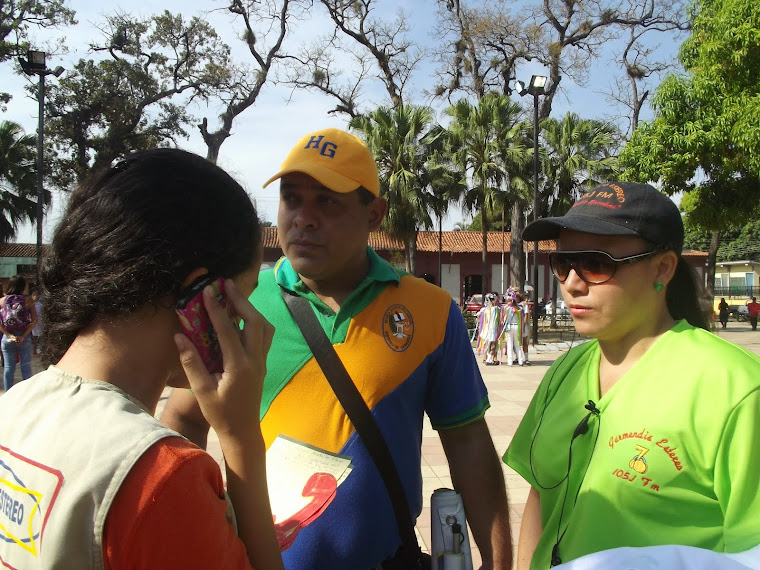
x=412, y=180
x=578, y=154
x=483, y=138
x=18, y=179
x=516, y=152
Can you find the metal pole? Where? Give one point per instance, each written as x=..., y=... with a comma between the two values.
x=535, y=217
x=40, y=190
x=502, y=250
x=440, y=247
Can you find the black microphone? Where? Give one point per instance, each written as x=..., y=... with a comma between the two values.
x=591, y=407
x=582, y=427
x=556, y=560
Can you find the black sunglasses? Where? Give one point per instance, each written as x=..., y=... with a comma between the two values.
x=592, y=266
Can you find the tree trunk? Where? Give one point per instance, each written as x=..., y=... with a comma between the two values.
x=516, y=253
x=712, y=257
x=410, y=253
x=214, y=140
x=213, y=147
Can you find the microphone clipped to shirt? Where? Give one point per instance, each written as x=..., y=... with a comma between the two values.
x=582, y=427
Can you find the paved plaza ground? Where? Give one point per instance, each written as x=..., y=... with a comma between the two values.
x=510, y=389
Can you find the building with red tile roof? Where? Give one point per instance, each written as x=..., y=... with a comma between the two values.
x=461, y=259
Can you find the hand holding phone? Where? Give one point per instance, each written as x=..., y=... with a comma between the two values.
x=196, y=324
x=230, y=402
x=227, y=399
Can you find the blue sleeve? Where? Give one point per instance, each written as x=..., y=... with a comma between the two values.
x=456, y=395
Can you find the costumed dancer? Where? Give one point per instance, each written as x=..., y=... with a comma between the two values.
x=512, y=330
x=490, y=329
x=526, y=324
x=481, y=344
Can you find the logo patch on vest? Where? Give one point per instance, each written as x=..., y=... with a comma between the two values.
x=28, y=491
x=398, y=328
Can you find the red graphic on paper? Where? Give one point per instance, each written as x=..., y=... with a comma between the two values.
x=321, y=487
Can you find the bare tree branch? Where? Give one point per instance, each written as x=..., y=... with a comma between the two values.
x=261, y=20
x=582, y=27
x=316, y=68
x=387, y=43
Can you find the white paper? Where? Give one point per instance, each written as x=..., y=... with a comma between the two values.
x=290, y=465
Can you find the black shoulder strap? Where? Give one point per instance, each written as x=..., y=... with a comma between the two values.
x=359, y=414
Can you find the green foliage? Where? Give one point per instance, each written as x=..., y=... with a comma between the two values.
x=746, y=244
x=494, y=222
x=705, y=137
x=412, y=178
x=723, y=54
x=721, y=204
x=470, y=320
x=395, y=137
x=736, y=243
x=137, y=97
x=487, y=141
x=577, y=154
x=18, y=179
x=19, y=17
x=695, y=238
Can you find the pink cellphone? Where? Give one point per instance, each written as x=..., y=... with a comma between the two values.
x=196, y=323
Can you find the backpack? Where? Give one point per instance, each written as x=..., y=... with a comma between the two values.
x=14, y=315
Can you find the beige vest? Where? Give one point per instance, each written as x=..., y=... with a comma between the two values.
x=66, y=446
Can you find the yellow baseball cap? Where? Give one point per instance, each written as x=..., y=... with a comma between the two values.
x=339, y=160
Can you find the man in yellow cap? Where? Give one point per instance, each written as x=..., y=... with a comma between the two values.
x=402, y=341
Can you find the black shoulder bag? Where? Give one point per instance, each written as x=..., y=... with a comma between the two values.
x=409, y=556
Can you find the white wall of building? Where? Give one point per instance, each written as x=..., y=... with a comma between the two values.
x=451, y=280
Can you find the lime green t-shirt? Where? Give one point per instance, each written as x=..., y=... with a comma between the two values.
x=672, y=458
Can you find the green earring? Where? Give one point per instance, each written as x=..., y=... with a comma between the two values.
x=658, y=286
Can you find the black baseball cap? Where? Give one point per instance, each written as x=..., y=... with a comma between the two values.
x=618, y=209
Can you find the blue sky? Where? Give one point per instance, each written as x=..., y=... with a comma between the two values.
x=263, y=134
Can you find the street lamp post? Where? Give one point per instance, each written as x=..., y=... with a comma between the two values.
x=35, y=65
x=440, y=249
x=535, y=88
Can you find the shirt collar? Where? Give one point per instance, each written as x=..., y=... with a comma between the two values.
x=379, y=270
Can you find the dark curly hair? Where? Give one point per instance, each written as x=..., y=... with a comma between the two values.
x=131, y=235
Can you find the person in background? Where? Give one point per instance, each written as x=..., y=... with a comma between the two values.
x=646, y=435
x=37, y=330
x=98, y=481
x=723, y=312
x=404, y=344
x=490, y=329
x=17, y=319
x=753, y=308
x=511, y=326
x=527, y=324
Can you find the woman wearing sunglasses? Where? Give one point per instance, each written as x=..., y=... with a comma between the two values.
x=647, y=434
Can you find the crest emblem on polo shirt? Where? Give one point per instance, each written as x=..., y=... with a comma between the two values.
x=398, y=328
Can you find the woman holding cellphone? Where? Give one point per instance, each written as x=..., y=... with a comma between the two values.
x=646, y=435
x=97, y=481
